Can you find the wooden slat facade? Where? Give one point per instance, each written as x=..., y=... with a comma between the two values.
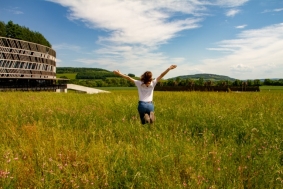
x=29, y=64
x=24, y=55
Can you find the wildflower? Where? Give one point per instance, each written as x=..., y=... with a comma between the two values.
x=4, y=174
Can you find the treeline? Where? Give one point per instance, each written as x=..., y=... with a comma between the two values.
x=96, y=75
x=61, y=70
x=258, y=82
x=201, y=82
x=270, y=82
x=121, y=82
x=16, y=31
x=107, y=82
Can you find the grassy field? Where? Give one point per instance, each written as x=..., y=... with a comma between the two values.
x=271, y=88
x=118, y=88
x=199, y=140
x=68, y=75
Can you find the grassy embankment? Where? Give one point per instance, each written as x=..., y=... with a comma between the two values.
x=200, y=140
x=271, y=88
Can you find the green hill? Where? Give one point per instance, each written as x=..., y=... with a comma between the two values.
x=61, y=70
x=212, y=77
x=84, y=73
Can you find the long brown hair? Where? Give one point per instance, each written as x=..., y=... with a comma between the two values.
x=146, y=78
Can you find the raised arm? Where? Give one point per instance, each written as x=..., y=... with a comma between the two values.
x=165, y=72
x=117, y=72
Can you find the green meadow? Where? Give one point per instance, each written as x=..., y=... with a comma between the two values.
x=271, y=88
x=199, y=140
x=68, y=75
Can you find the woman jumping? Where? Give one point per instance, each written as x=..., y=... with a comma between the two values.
x=145, y=89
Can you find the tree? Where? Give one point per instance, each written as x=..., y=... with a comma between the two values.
x=16, y=31
x=267, y=82
x=131, y=75
x=200, y=81
x=63, y=81
x=10, y=30
x=182, y=82
x=170, y=82
x=2, y=29
x=178, y=80
x=237, y=82
x=280, y=82
x=250, y=82
x=38, y=38
x=257, y=82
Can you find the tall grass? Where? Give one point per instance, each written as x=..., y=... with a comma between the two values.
x=199, y=140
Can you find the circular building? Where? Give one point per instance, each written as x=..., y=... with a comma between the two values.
x=27, y=66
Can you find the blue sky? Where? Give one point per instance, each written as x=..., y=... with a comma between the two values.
x=242, y=39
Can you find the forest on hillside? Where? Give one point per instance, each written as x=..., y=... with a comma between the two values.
x=93, y=77
x=16, y=31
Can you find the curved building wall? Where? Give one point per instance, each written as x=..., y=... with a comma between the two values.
x=22, y=59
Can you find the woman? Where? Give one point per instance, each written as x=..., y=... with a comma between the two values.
x=145, y=89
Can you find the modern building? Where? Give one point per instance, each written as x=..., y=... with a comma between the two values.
x=28, y=66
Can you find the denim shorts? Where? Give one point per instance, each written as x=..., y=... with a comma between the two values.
x=145, y=108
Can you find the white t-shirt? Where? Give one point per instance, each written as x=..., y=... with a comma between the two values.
x=145, y=92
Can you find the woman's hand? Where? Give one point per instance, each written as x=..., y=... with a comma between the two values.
x=172, y=67
x=117, y=72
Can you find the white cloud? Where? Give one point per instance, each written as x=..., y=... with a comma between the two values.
x=241, y=68
x=221, y=49
x=241, y=26
x=14, y=10
x=232, y=12
x=273, y=10
x=253, y=51
x=230, y=3
x=134, y=22
x=278, y=10
x=136, y=29
x=147, y=23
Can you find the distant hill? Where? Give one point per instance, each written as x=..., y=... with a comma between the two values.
x=212, y=77
x=60, y=70
x=85, y=73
